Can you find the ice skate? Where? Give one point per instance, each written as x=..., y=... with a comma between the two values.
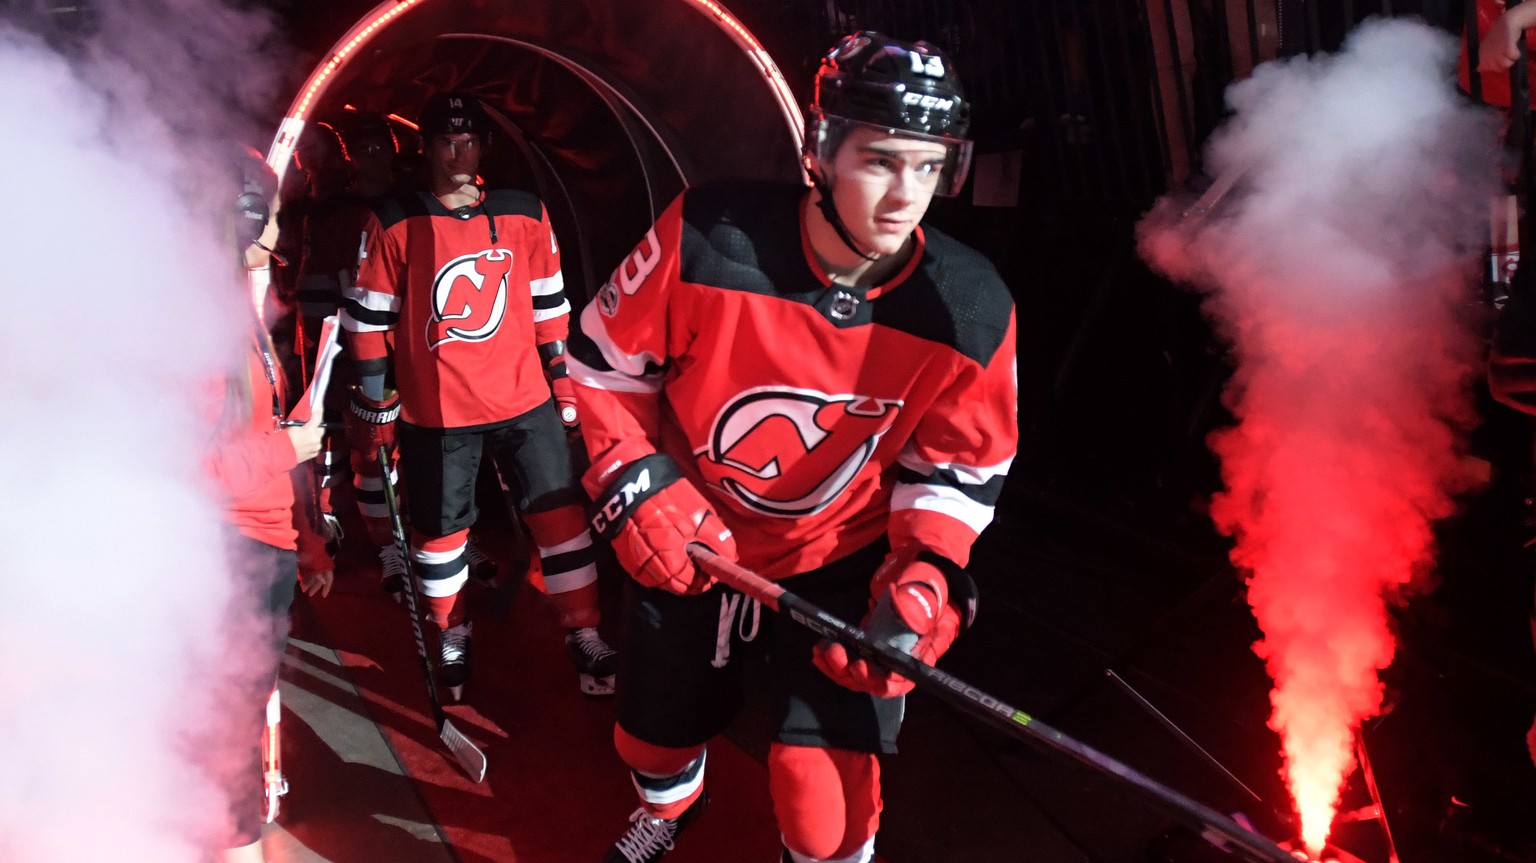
x=392, y=572
x=453, y=671
x=649, y=838
x=595, y=660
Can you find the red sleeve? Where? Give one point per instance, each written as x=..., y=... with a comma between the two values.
x=952, y=469
x=551, y=309
x=244, y=465
x=371, y=307
x=619, y=357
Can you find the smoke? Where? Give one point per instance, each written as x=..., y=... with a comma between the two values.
x=123, y=313
x=1338, y=267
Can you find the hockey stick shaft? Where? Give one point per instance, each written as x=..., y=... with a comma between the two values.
x=468, y=755
x=1216, y=828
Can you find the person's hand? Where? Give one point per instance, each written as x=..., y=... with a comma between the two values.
x=317, y=583
x=1499, y=49
x=565, y=401
x=307, y=438
x=649, y=512
x=371, y=422
x=912, y=611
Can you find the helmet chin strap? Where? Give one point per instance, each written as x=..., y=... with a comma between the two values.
x=829, y=212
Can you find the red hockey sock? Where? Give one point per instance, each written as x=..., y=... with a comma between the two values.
x=567, y=563
x=667, y=778
x=441, y=570
x=827, y=801
x=577, y=607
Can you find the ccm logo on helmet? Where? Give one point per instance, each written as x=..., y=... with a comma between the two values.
x=928, y=102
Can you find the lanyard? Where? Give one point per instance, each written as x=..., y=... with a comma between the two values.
x=269, y=366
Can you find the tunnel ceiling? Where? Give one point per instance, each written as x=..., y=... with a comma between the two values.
x=610, y=107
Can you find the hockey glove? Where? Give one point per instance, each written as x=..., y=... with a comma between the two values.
x=371, y=422
x=650, y=512
x=565, y=401
x=914, y=608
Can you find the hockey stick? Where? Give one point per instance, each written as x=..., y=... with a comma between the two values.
x=468, y=754
x=1214, y=827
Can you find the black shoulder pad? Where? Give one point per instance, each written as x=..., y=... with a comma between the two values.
x=513, y=202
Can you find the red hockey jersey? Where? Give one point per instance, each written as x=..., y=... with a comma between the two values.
x=816, y=416
x=466, y=295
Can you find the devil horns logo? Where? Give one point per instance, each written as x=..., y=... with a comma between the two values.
x=792, y=452
x=469, y=298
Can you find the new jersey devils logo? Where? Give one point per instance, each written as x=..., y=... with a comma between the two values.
x=792, y=452
x=469, y=298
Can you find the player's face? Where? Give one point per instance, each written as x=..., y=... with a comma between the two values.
x=882, y=185
x=454, y=159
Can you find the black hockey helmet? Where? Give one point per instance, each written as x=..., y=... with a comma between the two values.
x=906, y=88
x=361, y=130
x=454, y=113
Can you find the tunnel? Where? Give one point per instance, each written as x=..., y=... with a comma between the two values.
x=607, y=108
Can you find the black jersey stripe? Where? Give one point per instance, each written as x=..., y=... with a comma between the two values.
x=545, y=302
x=370, y=317
x=985, y=493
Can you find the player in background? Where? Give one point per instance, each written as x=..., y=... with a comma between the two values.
x=810, y=381
x=459, y=294
x=250, y=460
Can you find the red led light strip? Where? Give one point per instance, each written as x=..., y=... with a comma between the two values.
x=287, y=135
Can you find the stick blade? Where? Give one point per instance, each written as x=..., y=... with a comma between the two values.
x=464, y=751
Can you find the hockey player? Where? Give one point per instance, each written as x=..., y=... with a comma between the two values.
x=811, y=382
x=467, y=281
x=250, y=461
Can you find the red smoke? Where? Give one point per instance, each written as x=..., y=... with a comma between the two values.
x=1342, y=457
x=1335, y=269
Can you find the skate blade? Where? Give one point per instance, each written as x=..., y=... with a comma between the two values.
x=596, y=685
x=464, y=751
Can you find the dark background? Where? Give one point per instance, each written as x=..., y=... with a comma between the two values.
x=1102, y=574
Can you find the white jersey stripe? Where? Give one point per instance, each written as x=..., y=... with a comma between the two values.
x=547, y=314
x=611, y=381
x=353, y=325
x=544, y=287
x=943, y=499
x=373, y=301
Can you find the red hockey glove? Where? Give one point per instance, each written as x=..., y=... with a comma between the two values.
x=916, y=609
x=565, y=401
x=371, y=422
x=649, y=512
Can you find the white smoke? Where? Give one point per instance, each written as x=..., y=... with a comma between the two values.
x=122, y=314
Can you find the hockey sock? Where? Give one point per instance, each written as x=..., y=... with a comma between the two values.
x=569, y=568
x=368, y=488
x=668, y=779
x=827, y=801
x=441, y=570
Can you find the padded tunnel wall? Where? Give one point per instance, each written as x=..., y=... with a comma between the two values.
x=610, y=107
